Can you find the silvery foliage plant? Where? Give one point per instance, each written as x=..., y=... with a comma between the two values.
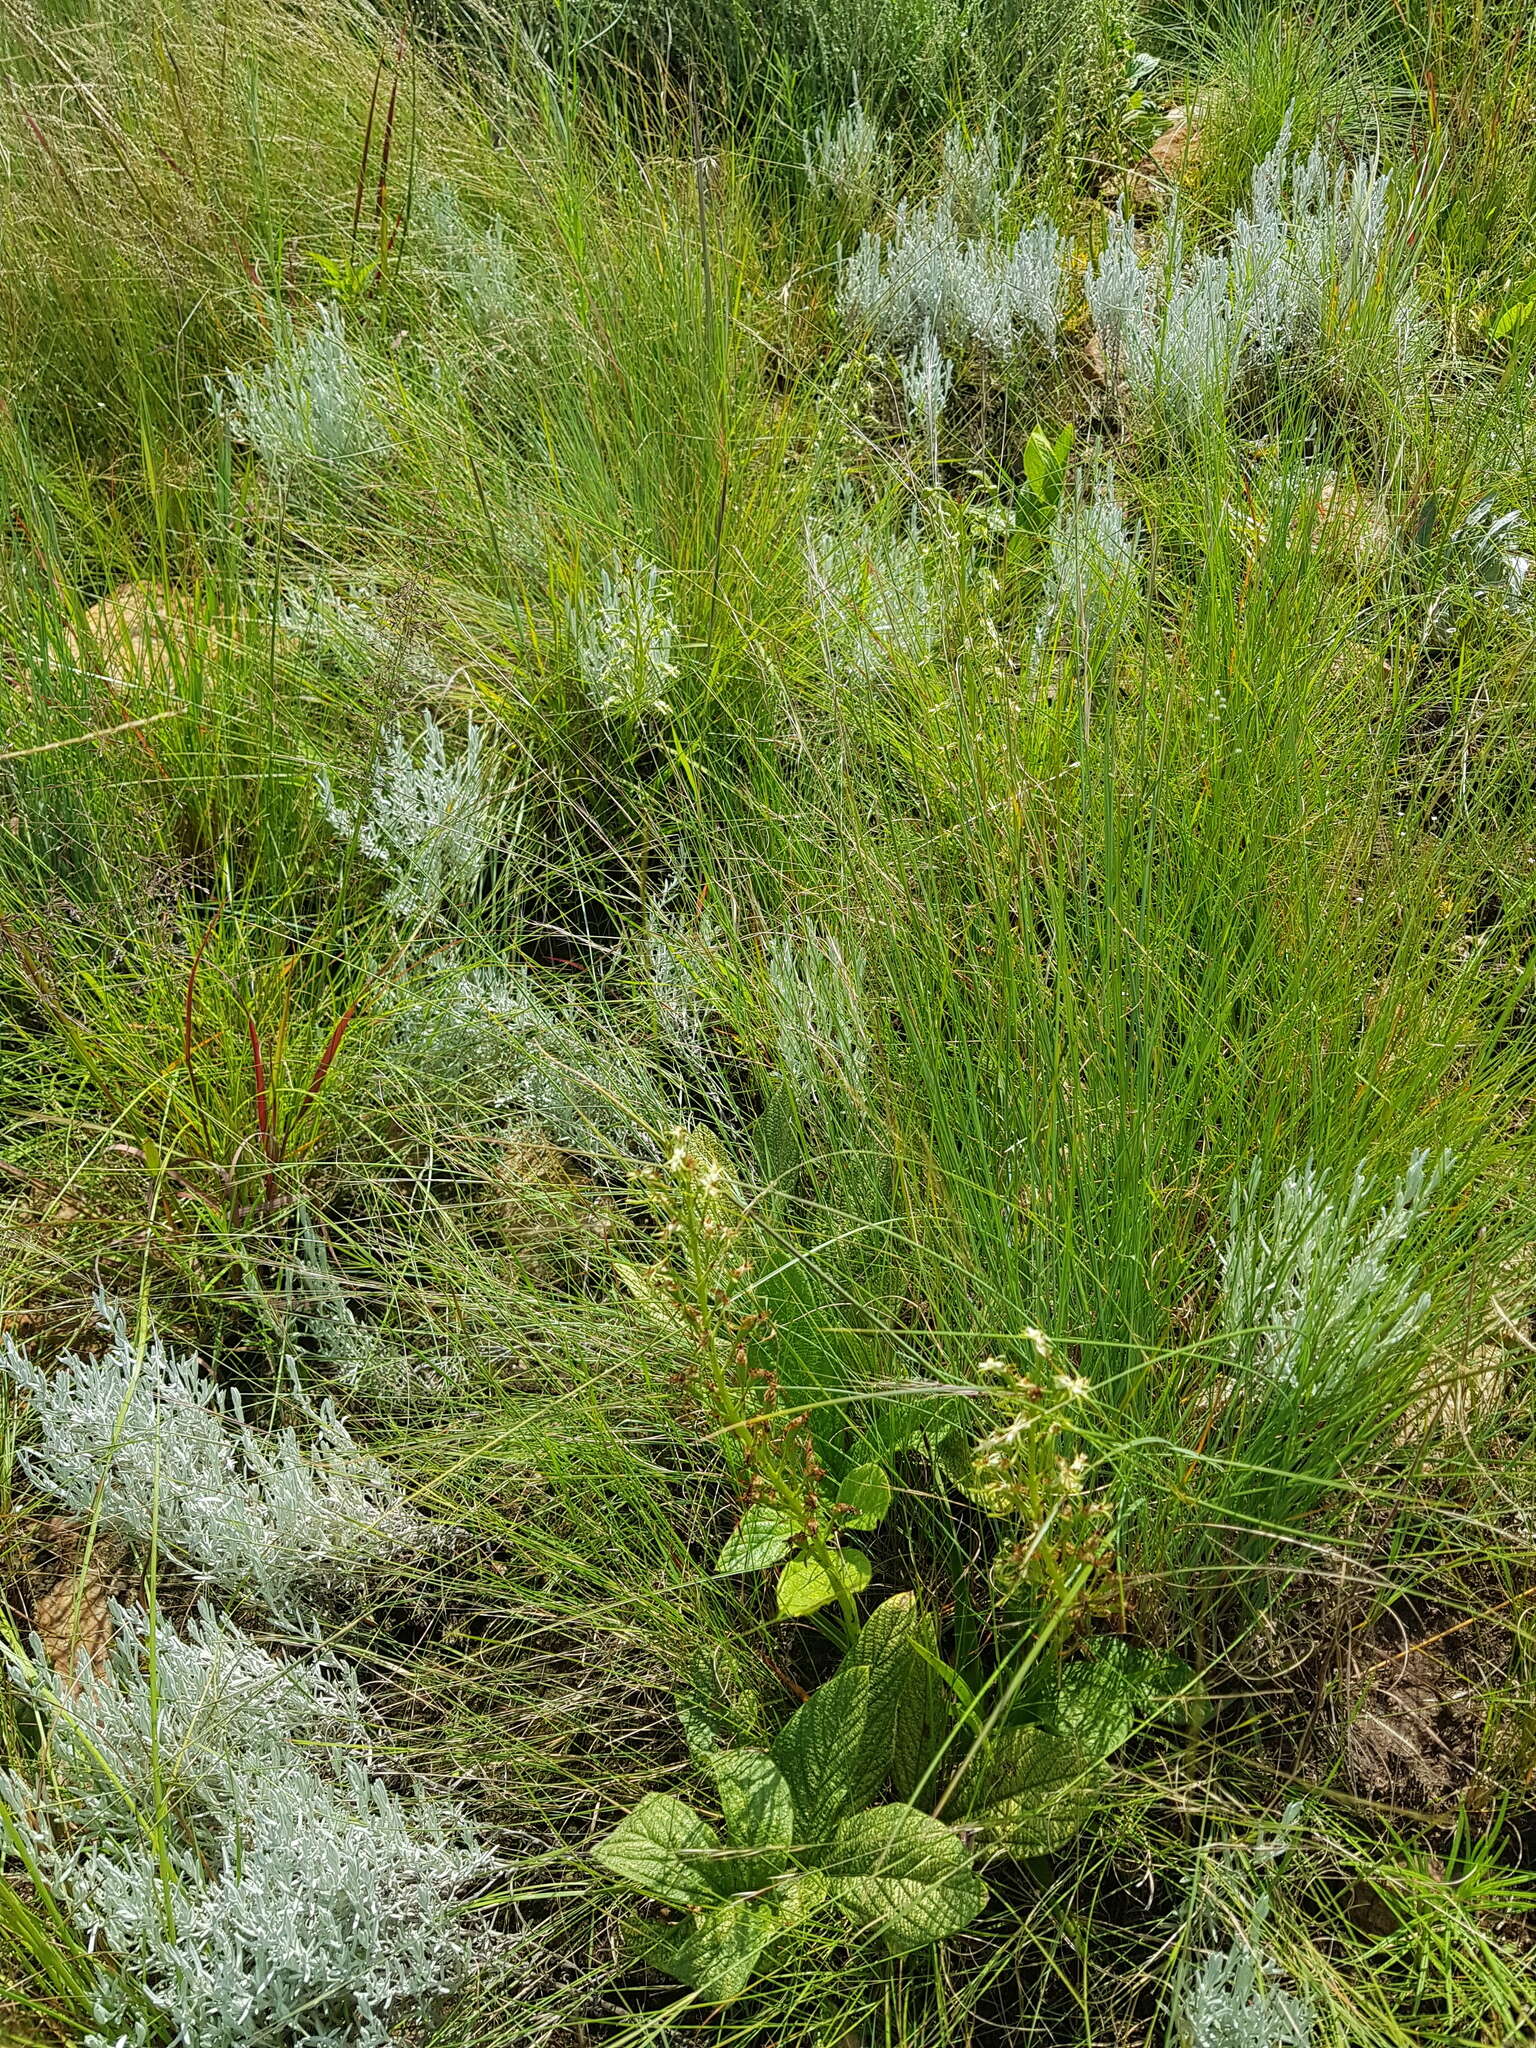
x=145, y=1441
x=624, y=635
x=357, y=1352
x=1234, y=1999
x=1171, y=331
x=876, y=595
x=1304, y=255
x=845, y=160
x=428, y=818
x=351, y=629
x=476, y=266
x=947, y=269
x=195, y=1827
x=1314, y=1287
x=1233, y=2003
x=926, y=378
x=973, y=183
x=674, y=952
x=1307, y=247
x=1093, y=572
x=308, y=410
x=816, y=1004
x=487, y=1036
x=926, y=275
x=1484, y=561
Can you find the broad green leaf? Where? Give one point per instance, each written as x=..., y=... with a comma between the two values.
x=799, y=1897
x=835, y=1752
x=760, y=1538
x=664, y=1849
x=804, y=1586
x=905, y=1876
x=1039, y=463
x=867, y=1498
x=952, y=1455
x=866, y=1494
x=755, y=1798
x=1513, y=316
x=1026, y=1793
x=888, y=1632
x=717, y=1702
x=1103, y=1700
x=654, y=1298
x=721, y=1950
x=893, y=1643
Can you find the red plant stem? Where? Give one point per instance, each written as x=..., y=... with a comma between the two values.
x=263, y=1116
x=322, y=1068
x=362, y=168
x=186, y=1027
x=387, y=144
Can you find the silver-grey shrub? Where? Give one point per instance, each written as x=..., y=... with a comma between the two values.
x=815, y=999
x=927, y=274
x=1314, y=1286
x=624, y=634
x=308, y=410
x=476, y=266
x=1093, y=572
x=203, y=1818
x=926, y=378
x=1304, y=261
x=351, y=627
x=428, y=818
x=879, y=595
x=1171, y=330
x=1231, y=2003
x=1307, y=248
x=1236, y=1998
x=845, y=160
x=164, y=1457
x=973, y=185
x=490, y=1039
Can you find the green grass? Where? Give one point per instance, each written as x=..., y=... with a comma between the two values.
x=987, y=967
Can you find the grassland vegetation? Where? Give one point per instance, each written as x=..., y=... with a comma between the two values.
x=767, y=898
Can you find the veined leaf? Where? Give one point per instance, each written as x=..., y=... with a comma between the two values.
x=804, y=1586
x=665, y=1850
x=893, y=1643
x=866, y=1494
x=760, y=1538
x=905, y=1876
x=1026, y=1793
x=721, y=1950
x=835, y=1752
x=755, y=1798
x=1104, y=1699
